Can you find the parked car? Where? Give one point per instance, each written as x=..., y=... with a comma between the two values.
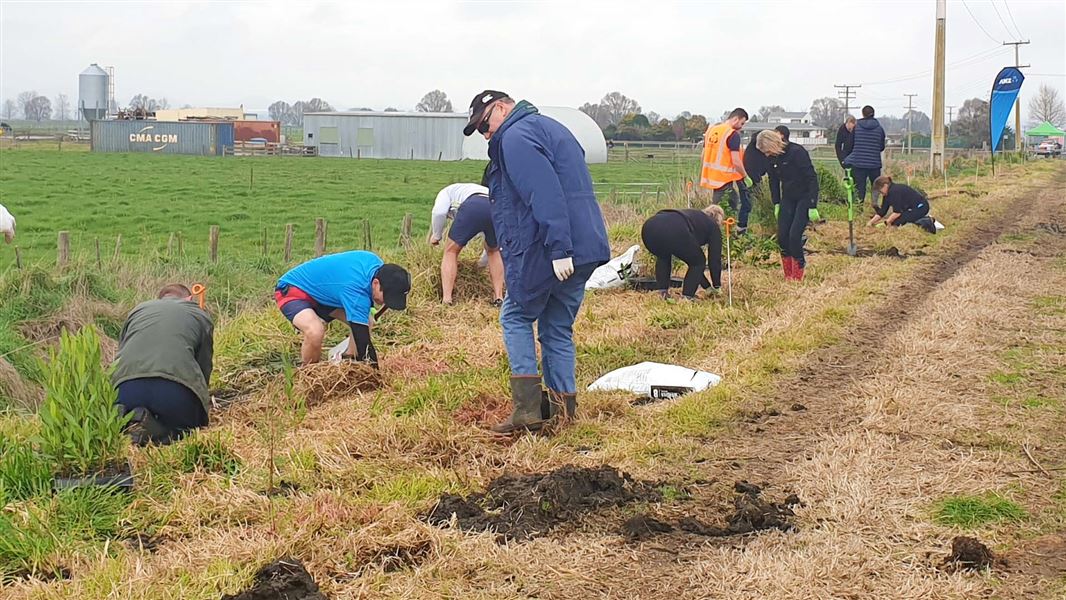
x=1049, y=148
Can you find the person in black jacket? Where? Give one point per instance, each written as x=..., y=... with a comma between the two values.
x=683, y=233
x=794, y=191
x=906, y=204
x=845, y=139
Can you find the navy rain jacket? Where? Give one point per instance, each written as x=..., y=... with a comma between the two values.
x=543, y=204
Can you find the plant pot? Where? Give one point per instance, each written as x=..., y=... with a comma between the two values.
x=119, y=477
x=647, y=284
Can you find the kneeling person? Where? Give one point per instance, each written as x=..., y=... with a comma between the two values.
x=468, y=206
x=164, y=365
x=343, y=286
x=901, y=204
x=683, y=233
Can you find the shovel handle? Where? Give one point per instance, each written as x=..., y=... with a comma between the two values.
x=198, y=290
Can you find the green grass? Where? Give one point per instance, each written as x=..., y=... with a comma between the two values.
x=970, y=512
x=147, y=197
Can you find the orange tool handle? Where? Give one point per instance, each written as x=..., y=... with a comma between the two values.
x=198, y=290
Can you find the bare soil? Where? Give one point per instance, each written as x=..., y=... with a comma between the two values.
x=522, y=507
x=283, y=579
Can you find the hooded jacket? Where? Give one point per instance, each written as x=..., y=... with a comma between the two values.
x=868, y=141
x=543, y=204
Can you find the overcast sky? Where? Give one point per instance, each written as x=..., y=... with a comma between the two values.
x=704, y=57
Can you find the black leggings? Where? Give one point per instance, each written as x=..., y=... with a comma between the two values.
x=667, y=235
x=912, y=214
x=791, y=222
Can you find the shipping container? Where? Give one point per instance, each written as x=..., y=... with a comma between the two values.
x=246, y=131
x=205, y=139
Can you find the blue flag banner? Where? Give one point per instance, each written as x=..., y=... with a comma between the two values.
x=1004, y=92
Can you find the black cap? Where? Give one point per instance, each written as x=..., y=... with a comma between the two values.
x=477, y=108
x=395, y=284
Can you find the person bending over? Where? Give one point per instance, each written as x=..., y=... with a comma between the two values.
x=343, y=286
x=163, y=367
x=468, y=206
x=683, y=233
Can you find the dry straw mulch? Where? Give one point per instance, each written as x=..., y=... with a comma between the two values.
x=319, y=382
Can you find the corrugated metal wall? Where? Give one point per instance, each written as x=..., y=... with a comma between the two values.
x=205, y=139
x=422, y=136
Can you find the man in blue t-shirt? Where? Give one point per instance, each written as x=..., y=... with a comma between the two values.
x=342, y=286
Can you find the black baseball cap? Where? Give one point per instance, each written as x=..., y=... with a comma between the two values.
x=395, y=284
x=477, y=108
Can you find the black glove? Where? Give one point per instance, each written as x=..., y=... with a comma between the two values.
x=364, y=348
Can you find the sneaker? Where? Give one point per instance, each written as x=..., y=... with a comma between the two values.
x=741, y=231
x=498, y=302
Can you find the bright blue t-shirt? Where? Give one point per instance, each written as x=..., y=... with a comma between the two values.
x=340, y=280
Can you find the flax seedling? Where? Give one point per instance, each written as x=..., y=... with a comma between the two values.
x=81, y=430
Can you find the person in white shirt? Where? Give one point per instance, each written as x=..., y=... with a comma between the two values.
x=7, y=224
x=467, y=204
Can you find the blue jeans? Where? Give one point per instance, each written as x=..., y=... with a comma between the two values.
x=555, y=331
x=745, y=201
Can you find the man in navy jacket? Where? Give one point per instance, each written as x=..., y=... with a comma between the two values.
x=552, y=236
x=868, y=141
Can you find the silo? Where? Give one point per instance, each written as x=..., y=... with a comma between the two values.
x=92, y=93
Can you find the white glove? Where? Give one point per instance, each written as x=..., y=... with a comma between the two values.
x=564, y=268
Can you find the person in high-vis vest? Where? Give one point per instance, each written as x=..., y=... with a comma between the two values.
x=723, y=165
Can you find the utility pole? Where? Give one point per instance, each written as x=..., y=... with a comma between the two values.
x=951, y=113
x=847, y=96
x=910, y=113
x=936, y=145
x=1018, y=100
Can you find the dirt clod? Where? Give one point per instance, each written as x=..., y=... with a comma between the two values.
x=753, y=513
x=968, y=553
x=797, y=407
x=743, y=487
x=644, y=526
x=521, y=507
x=283, y=579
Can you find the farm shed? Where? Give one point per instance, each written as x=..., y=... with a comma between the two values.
x=425, y=136
x=183, y=137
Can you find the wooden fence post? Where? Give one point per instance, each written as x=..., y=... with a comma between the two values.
x=118, y=247
x=63, y=248
x=99, y=263
x=288, y=242
x=405, y=230
x=213, y=244
x=320, y=237
x=367, y=242
x=18, y=258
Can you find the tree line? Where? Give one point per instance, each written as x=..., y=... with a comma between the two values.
x=621, y=118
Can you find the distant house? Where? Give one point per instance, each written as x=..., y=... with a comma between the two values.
x=789, y=118
x=805, y=134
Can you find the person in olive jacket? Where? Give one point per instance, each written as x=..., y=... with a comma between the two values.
x=163, y=366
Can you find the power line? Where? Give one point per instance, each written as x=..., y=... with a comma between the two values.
x=1016, y=30
x=972, y=59
x=1001, y=21
x=846, y=95
x=983, y=30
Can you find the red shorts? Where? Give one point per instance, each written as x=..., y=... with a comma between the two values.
x=292, y=300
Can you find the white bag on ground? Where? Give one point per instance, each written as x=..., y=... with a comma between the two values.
x=656, y=380
x=336, y=351
x=938, y=225
x=614, y=273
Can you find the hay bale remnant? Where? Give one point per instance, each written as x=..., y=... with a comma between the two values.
x=322, y=381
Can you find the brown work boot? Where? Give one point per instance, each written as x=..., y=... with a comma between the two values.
x=526, y=401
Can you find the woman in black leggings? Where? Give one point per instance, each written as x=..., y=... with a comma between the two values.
x=683, y=233
x=794, y=191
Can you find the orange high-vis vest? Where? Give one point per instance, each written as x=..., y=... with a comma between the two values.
x=718, y=169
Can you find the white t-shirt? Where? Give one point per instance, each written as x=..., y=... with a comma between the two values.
x=448, y=201
x=7, y=224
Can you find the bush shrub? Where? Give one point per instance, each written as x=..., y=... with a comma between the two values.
x=81, y=430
